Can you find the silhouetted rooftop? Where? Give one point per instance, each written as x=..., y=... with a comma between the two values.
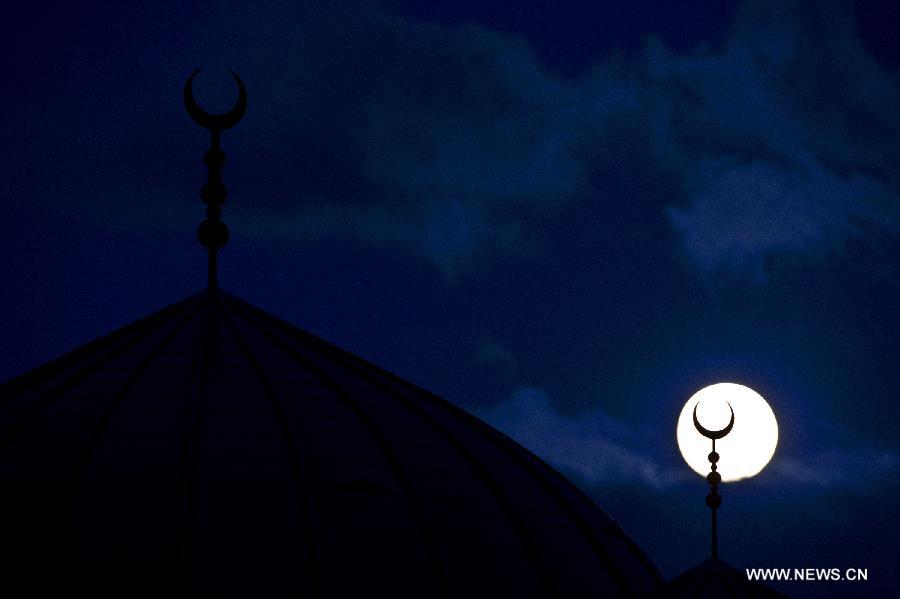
x=714, y=579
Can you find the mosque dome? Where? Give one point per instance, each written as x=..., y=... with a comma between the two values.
x=211, y=449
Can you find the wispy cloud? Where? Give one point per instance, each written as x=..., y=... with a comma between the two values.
x=598, y=449
x=838, y=468
x=452, y=141
x=777, y=135
x=492, y=354
x=774, y=143
x=437, y=135
x=593, y=447
x=742, y=213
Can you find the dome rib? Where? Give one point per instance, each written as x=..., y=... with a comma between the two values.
x=368, y=423
x=536, y=468
x=296, y=462
x=613, y=529
x=58, y=367
x=83, y=464
x=195, y=400
x=89, y=350
x=481, y=472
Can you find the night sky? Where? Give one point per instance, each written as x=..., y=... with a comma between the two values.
x=565, y=217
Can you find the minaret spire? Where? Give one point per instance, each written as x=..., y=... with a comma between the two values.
x=713, y=500
x=213, y=233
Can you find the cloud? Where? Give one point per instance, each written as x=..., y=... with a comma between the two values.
x=454, y=142
x=742, y=213
x=441, y=136
x=492, y=354
x=838, y=468
x=594, y=447
x=598, y=449
x=781, y=138
x=449, y=137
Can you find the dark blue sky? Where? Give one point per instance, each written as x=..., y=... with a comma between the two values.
x=565, y=219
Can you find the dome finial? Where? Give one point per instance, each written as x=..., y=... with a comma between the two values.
x=713, y=500
x=213, y=233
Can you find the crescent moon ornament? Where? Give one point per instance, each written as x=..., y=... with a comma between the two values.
x=713, y=434
x=215, y=122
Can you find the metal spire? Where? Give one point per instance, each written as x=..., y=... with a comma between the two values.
x=213, y=233
x=713, y=500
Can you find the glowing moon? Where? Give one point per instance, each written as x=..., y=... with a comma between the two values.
x=746, y=449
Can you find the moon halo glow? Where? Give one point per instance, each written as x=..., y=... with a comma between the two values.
x=743, y=452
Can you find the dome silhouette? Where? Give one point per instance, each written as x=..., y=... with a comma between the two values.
x=213, y=449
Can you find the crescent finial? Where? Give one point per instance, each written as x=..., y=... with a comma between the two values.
x=215, y=122
x=713, y=434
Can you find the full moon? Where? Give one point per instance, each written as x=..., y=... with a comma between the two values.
x=743, y=452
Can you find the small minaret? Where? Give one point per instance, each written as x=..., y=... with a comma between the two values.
x=213, y=233
x=713, y=500
x=713, y=577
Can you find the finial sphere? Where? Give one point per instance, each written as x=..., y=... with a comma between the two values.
x=213, y=234
x=215, y=122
